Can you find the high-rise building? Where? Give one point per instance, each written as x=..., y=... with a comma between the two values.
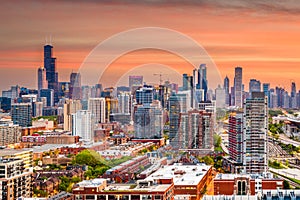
x=9, y=134
x=71, y=106
x=235, y=133
x=21, y=114
x=134, y=82
x=42, y=81
x=5, y=104
x=49, y=94
x=255, y=123
x=51, y=73
x=97, y=108
x=13, y=93
x=124, y=102
x=202, y=82
x=195, y=130
x=188, y=85
x=238, y=82
x=82, y=124
x=37, y=109
x=293, y=100
x=273, y=99
x=227, y=94
x=111, y=107
x=254, y=86
x=144, y=95
x=148, y=120
x=266, y=90
x=187, y=82
x=64, y=90
x=16, y=181
x=178, y=103
x=220, y=97
x=98, y=90
x=75, y=86
x=279, y=93
x=286, y=100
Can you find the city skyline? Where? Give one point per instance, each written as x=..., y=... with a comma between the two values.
x=247, y=36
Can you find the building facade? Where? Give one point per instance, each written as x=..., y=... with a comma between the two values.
x=255, y=152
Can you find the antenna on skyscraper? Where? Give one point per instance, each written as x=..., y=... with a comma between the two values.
x=46, y=40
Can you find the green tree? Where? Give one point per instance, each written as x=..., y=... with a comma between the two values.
x=217, y=140
x=208, y=160
x=286, y=184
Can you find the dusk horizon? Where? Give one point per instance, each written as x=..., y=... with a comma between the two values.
x=261, y=36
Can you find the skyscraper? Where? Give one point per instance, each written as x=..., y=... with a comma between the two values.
x=42, y=81
x=255, y=123
x=202, y=79
x=220, y=97
x=97, y=108
x=238, y=92
x=177, y=103
x=51, y=74
x=21, y=113
x=227, y=87
x=254, y=86
x=188, y=85
x=235, y=133
x=293, y=101
x=145, y=95
x=75, y=86
x=148, y=120
x=124, y=102
x=195, y=130
x=266, y=90
x=134, y=82
x=49, y=94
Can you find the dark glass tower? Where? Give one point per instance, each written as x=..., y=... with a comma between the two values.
x=75, y=86
x=238, y=88
x=51, y=74
x=226, y=87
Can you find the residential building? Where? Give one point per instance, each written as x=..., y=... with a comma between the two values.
x=9, y=134
x=21, y=114
x=15, y=180
x=97, y=107
x=82, y=125
x=255, y=123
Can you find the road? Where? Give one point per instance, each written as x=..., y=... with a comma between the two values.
x=284, y=139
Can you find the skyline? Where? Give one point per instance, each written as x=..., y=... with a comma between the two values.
x=260, y=36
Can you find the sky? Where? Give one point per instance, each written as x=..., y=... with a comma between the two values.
x=261, y=36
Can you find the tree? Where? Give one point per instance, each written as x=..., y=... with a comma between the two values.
x=286, y=184
x=87, y=157
x=217, y=140
x=208, y=160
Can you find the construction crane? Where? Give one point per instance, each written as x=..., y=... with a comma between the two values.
x=160, y=77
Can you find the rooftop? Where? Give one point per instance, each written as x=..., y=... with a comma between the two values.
x=181, y=174
x=7, y=152
x=251, y=176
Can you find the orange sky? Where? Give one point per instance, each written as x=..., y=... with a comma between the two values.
x=261, y=36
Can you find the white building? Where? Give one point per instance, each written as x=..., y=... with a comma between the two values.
x=82, y=125
x=220, y=97
x=124, y=102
